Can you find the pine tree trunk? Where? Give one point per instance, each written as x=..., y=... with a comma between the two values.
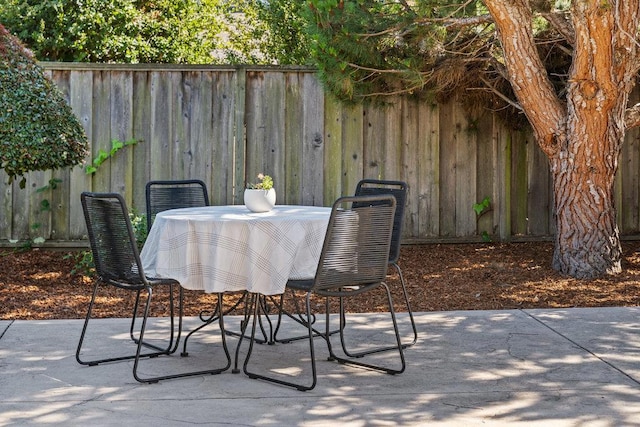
x=587, y=238
x=583, y=170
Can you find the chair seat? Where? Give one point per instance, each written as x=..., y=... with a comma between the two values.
x=300, y=285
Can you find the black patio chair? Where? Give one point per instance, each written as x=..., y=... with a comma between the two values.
x=398, y=189
x=162, y=195
x=117, y=262
x=354, y=261
x=373, y=187
x=165, y=195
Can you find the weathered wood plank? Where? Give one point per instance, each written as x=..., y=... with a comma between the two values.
x=393, y=140
x=448, y=148
x=101, y=129
x=273, y=144
x=352, y=148
x=375, y=135
x=141, y=151
x=411, y=164
x=58, y=197
x=121, y=163
x=519, y=209
x=502, y=203
x=466, y=173
x=160, y=166
x=6, y=207
x=312, y=140
x=293, y=140
x=539, y=200
x=265, y=129
x=485, y=174
x=227, y=151
x=332, y=150
x=239, y=142
x=627, y=184
x=81, y=101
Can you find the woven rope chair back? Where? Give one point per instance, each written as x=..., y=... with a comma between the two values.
x=165, y=195
x=356, y=246
x=397, y=189
x=113, y=244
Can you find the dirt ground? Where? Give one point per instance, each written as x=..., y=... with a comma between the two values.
x=37, y=284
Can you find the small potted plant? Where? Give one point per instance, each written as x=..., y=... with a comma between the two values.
x=260, y=196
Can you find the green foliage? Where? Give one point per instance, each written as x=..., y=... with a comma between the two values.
x=129, y=31
x=265, y=183
x=368, y=50
x=103, y=156
x=38, y=130
x=83, y=263
x=285, y=40
x=480, y=209
x=161, y=31
x=139, y=224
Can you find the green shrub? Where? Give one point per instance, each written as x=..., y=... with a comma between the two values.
x=38, y=130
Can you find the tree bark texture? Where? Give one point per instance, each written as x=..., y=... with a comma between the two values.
x=581, y=135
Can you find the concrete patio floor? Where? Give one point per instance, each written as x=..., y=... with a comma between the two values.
x=561, y=367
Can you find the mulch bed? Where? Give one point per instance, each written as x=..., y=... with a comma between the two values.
x=38, y=284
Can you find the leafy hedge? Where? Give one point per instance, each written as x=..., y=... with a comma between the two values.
x=38, y=130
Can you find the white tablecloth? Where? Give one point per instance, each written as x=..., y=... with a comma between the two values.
x=229, y=248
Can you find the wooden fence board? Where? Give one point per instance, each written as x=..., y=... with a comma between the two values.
x=393, y=143
x=199, y=145
x=141, y=151
x=293, y=141
x=58, y=197
x=466, y=175
x=628, y=184
x=332, y=177
x=239, y=142
x=539, y=198
x=225, y=144
x=352, y=148
x=6, y=207
x=502, y=204
x=161, y=127
x=485, y=174
x=410, y=163
x=101, y=129
x=428, y=193
x=312, y=140
x=519, y=189
x=121, y=164
x=448, y=143
x=375, y=139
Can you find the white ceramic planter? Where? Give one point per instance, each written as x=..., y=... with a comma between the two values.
x=259, y=200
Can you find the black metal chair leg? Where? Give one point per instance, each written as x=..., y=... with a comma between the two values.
x=297, y=318
x=253, y=375
x=409, y=311
x=398, y=347
x=214, y=371
x=107, y=359
x=174, y=342
x=379, y=350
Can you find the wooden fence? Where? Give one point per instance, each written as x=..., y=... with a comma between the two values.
x=224, y=125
